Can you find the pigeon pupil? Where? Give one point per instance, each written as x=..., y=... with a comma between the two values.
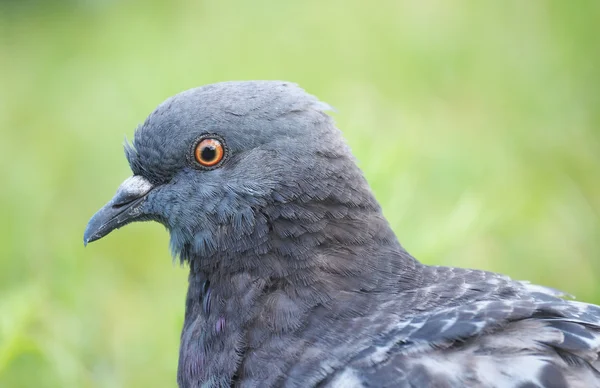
x=209, y=153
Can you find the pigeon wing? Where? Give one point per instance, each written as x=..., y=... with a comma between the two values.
x=540, y=341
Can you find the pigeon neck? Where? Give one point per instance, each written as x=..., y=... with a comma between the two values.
x=310, y=264
x=344, y=243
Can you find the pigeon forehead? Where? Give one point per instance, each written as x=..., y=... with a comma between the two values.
x=246, y=114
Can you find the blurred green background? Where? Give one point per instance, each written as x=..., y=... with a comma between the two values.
x=476, y=122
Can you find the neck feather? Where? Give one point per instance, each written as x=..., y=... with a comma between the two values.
x=299, y=258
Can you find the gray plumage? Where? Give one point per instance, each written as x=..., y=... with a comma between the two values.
x=296, y=278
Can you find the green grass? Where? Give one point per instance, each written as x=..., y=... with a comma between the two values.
x=476, y=122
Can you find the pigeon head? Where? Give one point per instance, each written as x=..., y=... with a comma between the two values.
x=243, y=169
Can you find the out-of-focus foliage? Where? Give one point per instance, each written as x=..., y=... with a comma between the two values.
x=477, y=123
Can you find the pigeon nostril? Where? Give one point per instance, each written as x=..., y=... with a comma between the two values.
x=119, y=205
x=125, y=199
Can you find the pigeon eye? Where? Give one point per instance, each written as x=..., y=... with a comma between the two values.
x=209, y=152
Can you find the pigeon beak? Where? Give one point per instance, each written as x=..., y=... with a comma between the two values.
x=122, y=209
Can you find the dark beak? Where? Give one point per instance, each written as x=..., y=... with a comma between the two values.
x=121, y=210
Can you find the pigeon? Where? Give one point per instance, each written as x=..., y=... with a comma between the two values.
x=296, y=278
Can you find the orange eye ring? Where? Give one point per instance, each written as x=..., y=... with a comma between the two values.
x=209, y=152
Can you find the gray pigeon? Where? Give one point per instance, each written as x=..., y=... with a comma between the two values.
x=296, y=278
